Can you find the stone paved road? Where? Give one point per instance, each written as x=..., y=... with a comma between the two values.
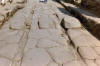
x=34, y=36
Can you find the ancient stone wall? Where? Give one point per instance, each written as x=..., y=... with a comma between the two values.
x=91, y=4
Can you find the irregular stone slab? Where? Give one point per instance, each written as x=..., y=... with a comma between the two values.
x=31, y=44
x=11, y=35
x=71, y=22
x=87, y=53
x=17, y=22
x=61, y=54
x=97, y=49
x=2, y=44
x=52, y=64
x=6, y=33
x=9, y=51
x=84, y=38
x=36, y=57
x=44, y=43
x=43, y=33
x=5, y=62
x=91, y=63
x=74, y=63
x=97, y=62
x=58, y=36
x=45, y=22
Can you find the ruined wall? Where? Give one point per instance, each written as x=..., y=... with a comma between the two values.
x=91, y=4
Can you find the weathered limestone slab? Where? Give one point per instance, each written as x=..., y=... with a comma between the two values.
x=43, y=33
x=44, y=43
x=11, y=35
x=6, y=35
x=31, y=43
x=91, y=63
x=36, y=57
x=2, y=43
x=17, y=22
x=5, y=62
x=45, y=22
x=87, y=53
x=52, y=64
x=15, y=37
x=97, y=62
x=74, y=63
x=97, y=49
x=9, y=50
x=58, y=36
x=61, y=54
x=71, y=22
x=84, y=38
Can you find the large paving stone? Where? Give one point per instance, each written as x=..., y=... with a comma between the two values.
x=11, y=35
x=87, y=53
x=52, y=64
x=71, y=22
x=3, y=44
x=5, y=62
x=44, y=43
x=97, y=49
x=61, y=54
x=31, y=43
x=74, y=63
x=97, y=62
x=17, y=22
x=84, y=38
x=43, y=33
x=58, y=36
x=45, y=22
x=36, y=57
x=91, y=63
x=9, y=51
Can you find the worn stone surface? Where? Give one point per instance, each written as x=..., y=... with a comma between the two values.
x=52, y=64
x=62, y=54
x=97, y=49
x=74, y=63
x=5, y=62
x=71, y=22
x=98, y=62
x=91, y=63
x=36, y=57
x=87, y=53
x=13, y=49
x=84, y=38
x=46, y=43
x=9, y=9
x=34, y=36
